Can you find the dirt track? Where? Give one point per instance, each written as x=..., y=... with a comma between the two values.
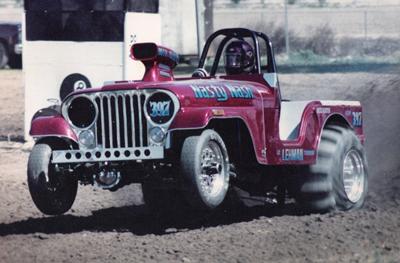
x=104, y=226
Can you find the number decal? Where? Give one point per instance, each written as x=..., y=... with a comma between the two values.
x=357, y=119
x=160, y=108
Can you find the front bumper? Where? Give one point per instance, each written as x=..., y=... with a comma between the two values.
x=108, y=155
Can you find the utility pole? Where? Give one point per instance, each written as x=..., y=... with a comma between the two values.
x=198, y=27
x=287, y=29
x=208, y=17
x=203, y=21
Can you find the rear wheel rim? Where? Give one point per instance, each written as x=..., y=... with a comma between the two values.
x=353, y=175
x=212, y=169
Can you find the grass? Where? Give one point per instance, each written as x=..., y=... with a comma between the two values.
x=309, y=62
x=304, y=58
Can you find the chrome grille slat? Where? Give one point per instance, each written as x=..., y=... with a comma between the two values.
x=120, y=120
x=117, y=122
x=132, y=121
x=110, y=133
x=125, y=121
x=140, y=120
x=103, y=133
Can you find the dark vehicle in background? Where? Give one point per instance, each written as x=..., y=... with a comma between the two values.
x=10, y=45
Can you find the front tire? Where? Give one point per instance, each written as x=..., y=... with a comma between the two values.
x=205, y=170
x=53, y=193
x=339, y=178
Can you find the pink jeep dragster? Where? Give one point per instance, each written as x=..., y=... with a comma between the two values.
x=201, y=137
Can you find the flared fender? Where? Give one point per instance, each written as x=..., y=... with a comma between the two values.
x=51, y=126
x=193, y=118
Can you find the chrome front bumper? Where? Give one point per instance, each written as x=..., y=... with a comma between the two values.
x=108, y=155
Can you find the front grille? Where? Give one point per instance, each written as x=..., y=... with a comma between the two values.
x=121, y=122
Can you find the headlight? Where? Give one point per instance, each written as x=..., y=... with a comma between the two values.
x=157, y=135
x=160, y=108
x=82, y=112
x=86, y=138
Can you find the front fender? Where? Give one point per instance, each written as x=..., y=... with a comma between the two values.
x=195, y=118
x=191, y=118
x=51, y=126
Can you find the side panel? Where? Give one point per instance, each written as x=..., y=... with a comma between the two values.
x=302, y=145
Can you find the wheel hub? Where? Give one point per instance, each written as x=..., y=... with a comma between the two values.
x=212, y=168
x=353, y=176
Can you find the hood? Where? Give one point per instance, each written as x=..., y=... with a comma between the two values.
x=217, y=90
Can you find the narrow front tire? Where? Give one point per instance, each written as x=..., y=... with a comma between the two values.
x=53, y=193
x=205, y=170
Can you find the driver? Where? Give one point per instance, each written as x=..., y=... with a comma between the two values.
x=239, y=58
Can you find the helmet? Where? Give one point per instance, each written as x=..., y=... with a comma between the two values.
x=239, y=57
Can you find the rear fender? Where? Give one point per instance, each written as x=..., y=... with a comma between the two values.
x=311, y=120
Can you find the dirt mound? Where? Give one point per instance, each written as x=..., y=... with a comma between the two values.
x=381, y=103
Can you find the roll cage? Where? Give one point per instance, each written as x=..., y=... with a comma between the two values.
x=239, y=33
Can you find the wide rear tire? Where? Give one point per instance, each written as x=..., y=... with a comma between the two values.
x=205, y=170
x=53, y=193
x=339, y=178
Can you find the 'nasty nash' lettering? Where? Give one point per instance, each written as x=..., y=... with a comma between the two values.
x=220, y=92
x=240, y=92
x=210, y=92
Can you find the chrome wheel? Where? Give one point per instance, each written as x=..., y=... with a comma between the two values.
x=353, y=176
x=212, y=169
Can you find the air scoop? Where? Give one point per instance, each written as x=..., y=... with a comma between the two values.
x=159, y=61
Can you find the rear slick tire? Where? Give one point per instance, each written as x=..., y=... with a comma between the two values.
x=53, y=193
x=339, y=178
